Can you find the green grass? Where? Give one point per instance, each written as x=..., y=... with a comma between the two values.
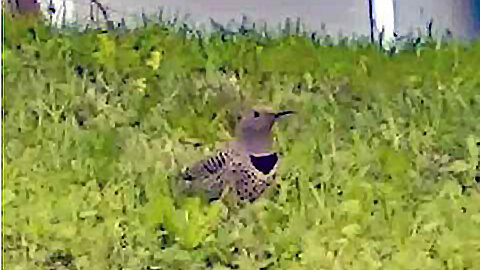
x=378, y=168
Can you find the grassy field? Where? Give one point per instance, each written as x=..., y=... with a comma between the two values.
x=378, y=167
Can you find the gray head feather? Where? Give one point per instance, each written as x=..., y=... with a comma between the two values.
x=254, y=131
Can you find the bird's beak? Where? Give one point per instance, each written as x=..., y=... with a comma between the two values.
x=280, y=114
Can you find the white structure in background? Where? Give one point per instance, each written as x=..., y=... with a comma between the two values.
x=384, y=20
x=61, y=11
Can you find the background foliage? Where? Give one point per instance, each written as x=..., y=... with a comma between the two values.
x=378, y=167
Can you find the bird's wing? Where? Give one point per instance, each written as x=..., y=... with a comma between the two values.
x=207, y=174
x=206, y=168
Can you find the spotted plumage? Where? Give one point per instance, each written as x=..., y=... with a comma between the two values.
x=247, y=165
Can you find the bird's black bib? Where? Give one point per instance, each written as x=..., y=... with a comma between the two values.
x=264, y=164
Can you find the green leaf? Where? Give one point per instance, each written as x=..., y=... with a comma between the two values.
x=86, y=214
x=8, y=196
x=352, y=207
x=457, y=166
x=473, y=148
x=351, y=230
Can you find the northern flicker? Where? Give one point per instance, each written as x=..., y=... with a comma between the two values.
x=246, y=166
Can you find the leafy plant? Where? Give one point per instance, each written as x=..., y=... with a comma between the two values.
x=377, y=172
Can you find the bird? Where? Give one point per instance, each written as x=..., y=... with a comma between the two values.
x=245, y=166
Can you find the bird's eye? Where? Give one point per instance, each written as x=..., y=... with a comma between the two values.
x=256, y=114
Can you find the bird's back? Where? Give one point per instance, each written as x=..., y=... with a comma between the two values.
x=246, y=175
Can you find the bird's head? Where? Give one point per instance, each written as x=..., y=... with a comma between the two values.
x=254, y=128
